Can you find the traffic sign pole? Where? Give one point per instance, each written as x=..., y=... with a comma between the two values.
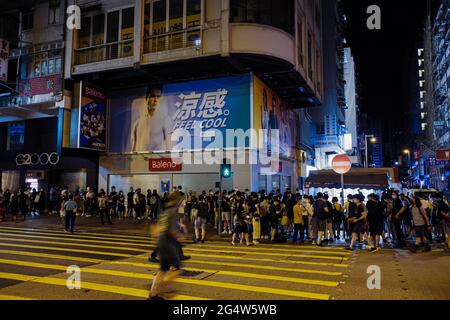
x=341, y=164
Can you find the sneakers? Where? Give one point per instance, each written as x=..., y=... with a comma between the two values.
x=349, y=248
x=374, y=249
x=151, y=259
x=184, y=258
x=319, y=245
x=229, y=232
x=224, y=232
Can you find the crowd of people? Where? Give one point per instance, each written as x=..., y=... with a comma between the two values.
x=251, y=217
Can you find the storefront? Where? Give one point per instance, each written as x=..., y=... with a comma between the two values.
x=201, y=115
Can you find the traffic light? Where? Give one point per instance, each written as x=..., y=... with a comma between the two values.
x=225, y=170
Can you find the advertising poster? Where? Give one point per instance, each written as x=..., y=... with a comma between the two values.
x=271, y=113
x=144, y=119
x=4, y=54
x=93, y=112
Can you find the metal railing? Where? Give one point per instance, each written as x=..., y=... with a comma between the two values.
x=173, y=40
x=109, y=51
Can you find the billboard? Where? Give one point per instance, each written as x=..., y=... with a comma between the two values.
x=4, y=54
x=144, y=119
x=271, y=113
x=92, y=130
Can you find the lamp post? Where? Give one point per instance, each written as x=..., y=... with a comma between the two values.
x=373, y=139
x=408, y=152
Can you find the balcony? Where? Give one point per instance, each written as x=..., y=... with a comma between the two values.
x=112, y=55
x=173, y=40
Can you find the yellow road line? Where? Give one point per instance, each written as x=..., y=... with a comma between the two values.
x=239, y=274
x=148, y=246
x=293, y=250
x=97, y=261
x=208, y=283
x=186, y=248
x=140, y=293
x=66, y=250
x=75, y=244
x=8, y=297
x=309, y=263
x=75, y=236
x=268, y=254
x=83, y=233
x=51, y=256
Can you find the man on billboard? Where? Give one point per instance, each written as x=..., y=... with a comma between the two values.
x=152, y=130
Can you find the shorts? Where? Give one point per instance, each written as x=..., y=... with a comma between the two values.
x=200, y=223
x=226, y=216
x=274, y=224
x=376, y=228
x=357, y=227
x=321, y=225
x=168, y=254
x=239, y=228
x=420, y=231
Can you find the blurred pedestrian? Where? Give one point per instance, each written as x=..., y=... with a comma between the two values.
x=70, y=207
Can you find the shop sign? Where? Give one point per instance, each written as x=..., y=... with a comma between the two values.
x=165, y=164
x=443, y=155
x=35, y=159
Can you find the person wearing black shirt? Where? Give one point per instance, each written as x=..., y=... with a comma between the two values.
x=226, y=213
x=23, y=205
x=201, y=220
x=444, y=217
x=398, y=210
x=120, y=205
x=375, y=218
x=112, y=200
x=322, y=213
x=357, y=222
x=130, y=204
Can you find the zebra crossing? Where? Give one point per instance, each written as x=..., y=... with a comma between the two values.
x=34, y=262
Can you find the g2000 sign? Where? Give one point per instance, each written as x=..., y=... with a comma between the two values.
x=35, y=159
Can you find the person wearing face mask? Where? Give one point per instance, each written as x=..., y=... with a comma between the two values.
x=398, y=210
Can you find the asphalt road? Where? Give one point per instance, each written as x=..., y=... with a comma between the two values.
x=34, y=257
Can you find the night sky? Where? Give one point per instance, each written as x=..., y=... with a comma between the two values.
x=382, y=58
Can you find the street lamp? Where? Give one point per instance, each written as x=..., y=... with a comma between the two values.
x=373, y=139
x=408, y=152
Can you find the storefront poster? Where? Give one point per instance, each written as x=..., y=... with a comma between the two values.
x=93, y=124
x=144, y=119
x=271, y=113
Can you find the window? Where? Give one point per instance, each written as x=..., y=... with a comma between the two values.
x=159, y=17
x=27, y=20
x=279, y=14
x=16, y=136
x=301, y=56
x=310, y=57
x=84, y=37
x=193, y=13
x=54, y=12
x=43, y=64
x=127, y=31
x=320, y=128
x=98, y=29
x=37, y=69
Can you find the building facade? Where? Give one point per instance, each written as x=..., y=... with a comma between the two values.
x=327, y=132
x=261, y=60
x=32, y=103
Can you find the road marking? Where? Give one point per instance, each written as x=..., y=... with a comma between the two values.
x=98, y=261
x=293, y=250
x=74, y=244
x=269, y=254
x=66, y=250
x=74, y=236
x=51, y=256
x=153, y=243
x=8, y=297
x=148, y=246
x=83, y=233
x=127, y=291
x=114, y=289
x=189, y=249
x=239, y=274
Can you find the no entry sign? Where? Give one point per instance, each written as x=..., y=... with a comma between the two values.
x=341, y=164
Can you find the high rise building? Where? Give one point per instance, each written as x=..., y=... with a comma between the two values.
x=327, y=133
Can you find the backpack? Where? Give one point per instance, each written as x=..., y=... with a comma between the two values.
x=153, y=200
